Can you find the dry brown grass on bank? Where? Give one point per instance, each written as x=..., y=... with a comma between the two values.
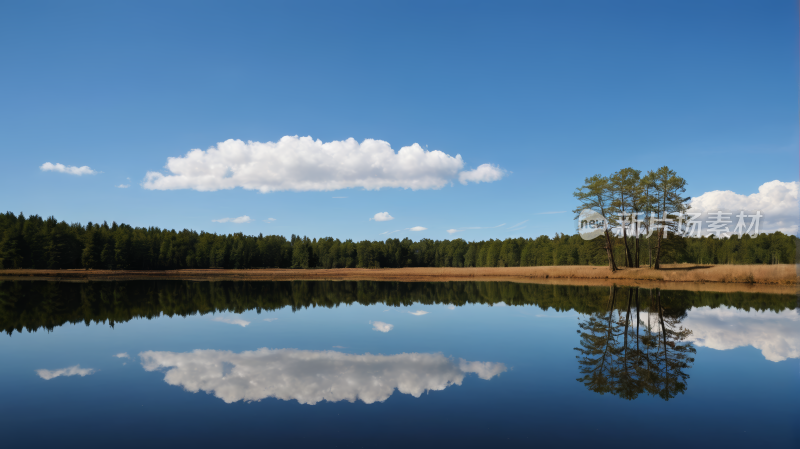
x=782, y=278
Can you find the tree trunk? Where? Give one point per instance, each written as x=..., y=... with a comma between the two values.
x=610, y=253
x=628, y=261
x=658, y=249
x=661, y=232
x=636, y=240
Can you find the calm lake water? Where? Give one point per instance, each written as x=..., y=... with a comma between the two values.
x=387, y=364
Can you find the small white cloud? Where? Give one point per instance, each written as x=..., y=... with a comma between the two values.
x=269, y=220
x=236, y=321
x=417, y=229
x=500, y=304
x=484, y=173
x=123, y=186
x=122, y=355
x=419, y=313
x=380, y=326
x=76, y=370
x=70, y=169
x=390, y=232
x=238, y=220
x=453, y=231
x=269, y=320
x=382, y=216
x=451, y=307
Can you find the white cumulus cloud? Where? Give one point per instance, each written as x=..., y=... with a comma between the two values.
x=484, y=173
x=122, y=355
x=380, y=326
x=70, y=169
x=775, y=200
x=232, y=320
x=310, y=377
x=419, y=313
x=453, y=231
x=123, y=186
x=238, y=220
x=304, y=164
x=417, y=229
x=776, y=334
x=382, y=216
x=76, y=370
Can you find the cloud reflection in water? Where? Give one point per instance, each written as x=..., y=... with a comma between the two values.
x=311, y=376
x=776, y=334
x=76, y=370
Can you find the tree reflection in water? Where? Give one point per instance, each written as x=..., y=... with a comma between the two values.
x=33, y=305
x=635, y=346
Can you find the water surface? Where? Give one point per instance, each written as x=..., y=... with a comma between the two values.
x=349, y=364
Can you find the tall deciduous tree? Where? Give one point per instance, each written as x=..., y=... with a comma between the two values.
x=668, y=202
x=623, y=186
x=595, y=194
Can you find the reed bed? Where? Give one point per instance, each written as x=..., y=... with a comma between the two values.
x=729, y=274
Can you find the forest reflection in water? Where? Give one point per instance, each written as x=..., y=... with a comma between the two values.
x=633, y=341
x=33, y=305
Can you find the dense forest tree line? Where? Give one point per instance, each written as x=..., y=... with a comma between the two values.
x=34, y=242
x=32, y=305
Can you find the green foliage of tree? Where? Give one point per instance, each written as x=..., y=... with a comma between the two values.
x=597, y=194
x=669, y=201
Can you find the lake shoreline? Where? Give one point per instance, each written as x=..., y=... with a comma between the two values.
x=778, y=279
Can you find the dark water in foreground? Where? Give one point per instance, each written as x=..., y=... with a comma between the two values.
x=369, y=364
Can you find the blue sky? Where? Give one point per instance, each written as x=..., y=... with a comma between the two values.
x=547, y=92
